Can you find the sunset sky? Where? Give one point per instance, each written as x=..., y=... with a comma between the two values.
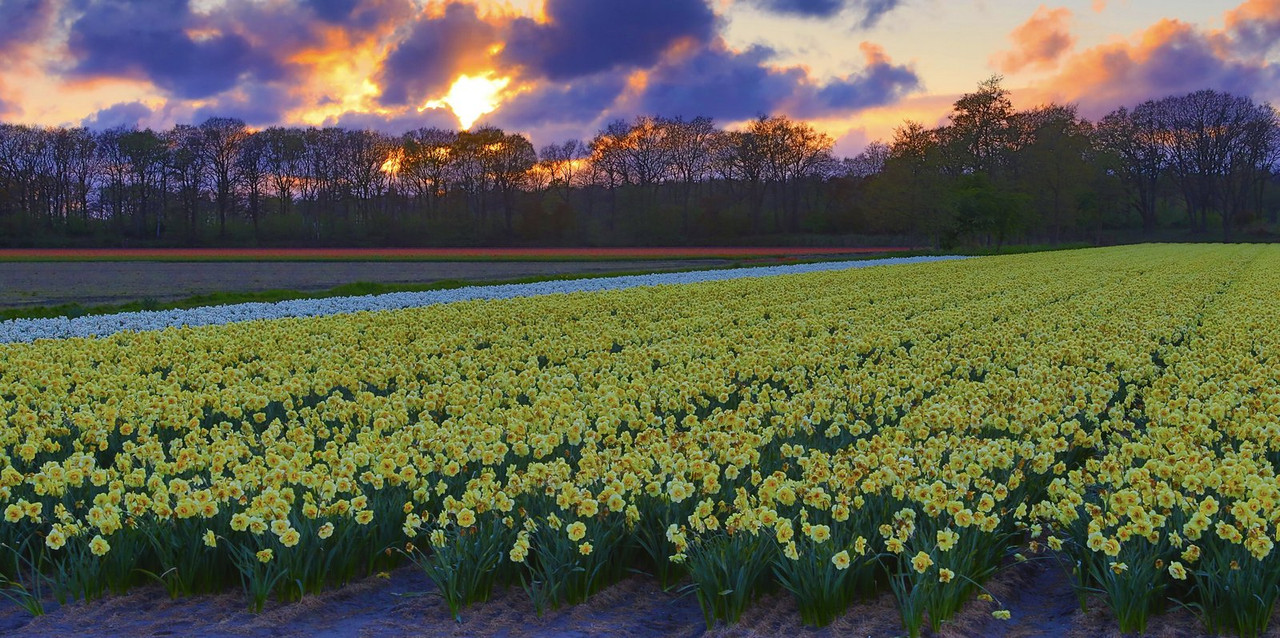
x=555, y=69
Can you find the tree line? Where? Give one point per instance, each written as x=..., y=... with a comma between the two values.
x=1201, y=165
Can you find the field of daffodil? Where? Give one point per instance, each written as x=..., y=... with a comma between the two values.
x=834, y=435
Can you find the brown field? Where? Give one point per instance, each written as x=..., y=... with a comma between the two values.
x=435, y=254
x=25, y=283
x=399, y=604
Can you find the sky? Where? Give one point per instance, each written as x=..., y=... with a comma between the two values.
x=560, y=69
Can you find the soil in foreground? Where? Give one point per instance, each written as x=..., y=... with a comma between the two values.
x=27, y=284
x=400, y=604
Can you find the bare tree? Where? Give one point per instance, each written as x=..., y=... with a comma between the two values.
x=564, y=164
x=284, y=150
x=1254, y=154
x=871, y=161
x=145, y=152
x=427, y=164
x=740, y=161
x=474, y=150
x=253, y=167
x=364, y=154
x=609, y=161
x=223, y=137
x=646, y=152
x=23, y=162
x=186, y=166
x=77, y=149
x=509, y=162
x=1135, y=138
x=792, y=152
x=1220, y=146
x=690, y=146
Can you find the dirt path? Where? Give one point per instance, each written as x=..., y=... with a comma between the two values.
x=90, y=283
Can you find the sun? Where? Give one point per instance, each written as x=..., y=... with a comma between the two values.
x=470, y=97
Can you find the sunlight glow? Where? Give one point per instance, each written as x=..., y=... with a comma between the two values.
x=394, y=162
x=470, y=97
x=339, y=79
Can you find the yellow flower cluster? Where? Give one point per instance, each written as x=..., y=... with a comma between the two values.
x=1181, y=480
x=906, y=411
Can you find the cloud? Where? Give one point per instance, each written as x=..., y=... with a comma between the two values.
x=732, y=85
x=584, y=37
x=851, y=143
x=395, y=123
x=163, y=42
x=806, y=8
x=880, y=82
x=8, y=108
x=194, y=54
x=573, y=65
x=1039, y=42
x=436, y=50
x=283, y=29
x=870, y=11
x=585, y=100
x=335, y=11
x=255, y=103
x=1170, y=57
x=720, y=83
x=124, y=114
x=23, y=22
x=1255, y=27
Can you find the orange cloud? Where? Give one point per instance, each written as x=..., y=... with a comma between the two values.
x=1172, y=57
x=8, y=106
x=338, y=76
x=1254, y=26
x=1039, y=42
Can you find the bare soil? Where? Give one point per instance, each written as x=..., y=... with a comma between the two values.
x=114, y=282
x=400, y=604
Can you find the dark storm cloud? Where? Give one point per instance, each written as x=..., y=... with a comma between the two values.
x=720, y=83
x=1170, y=58
x=154, y=41
x=873, y=10
x=807, y=8
x=436, y=50
x=396, y=124
x=23, y=22
x=880, y=82
x=1255, y=26
x=1187, y=62
x=256, y=104
x=196, y=55
x=585, y=62
x=332, y=10
x=734, y=86
x=7, y=107
x=582, y=101
x=869, y=12
x=124, y=114
x=359, y=15
x=584, y=37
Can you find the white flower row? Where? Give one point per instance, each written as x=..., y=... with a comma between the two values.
x=27, y=330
